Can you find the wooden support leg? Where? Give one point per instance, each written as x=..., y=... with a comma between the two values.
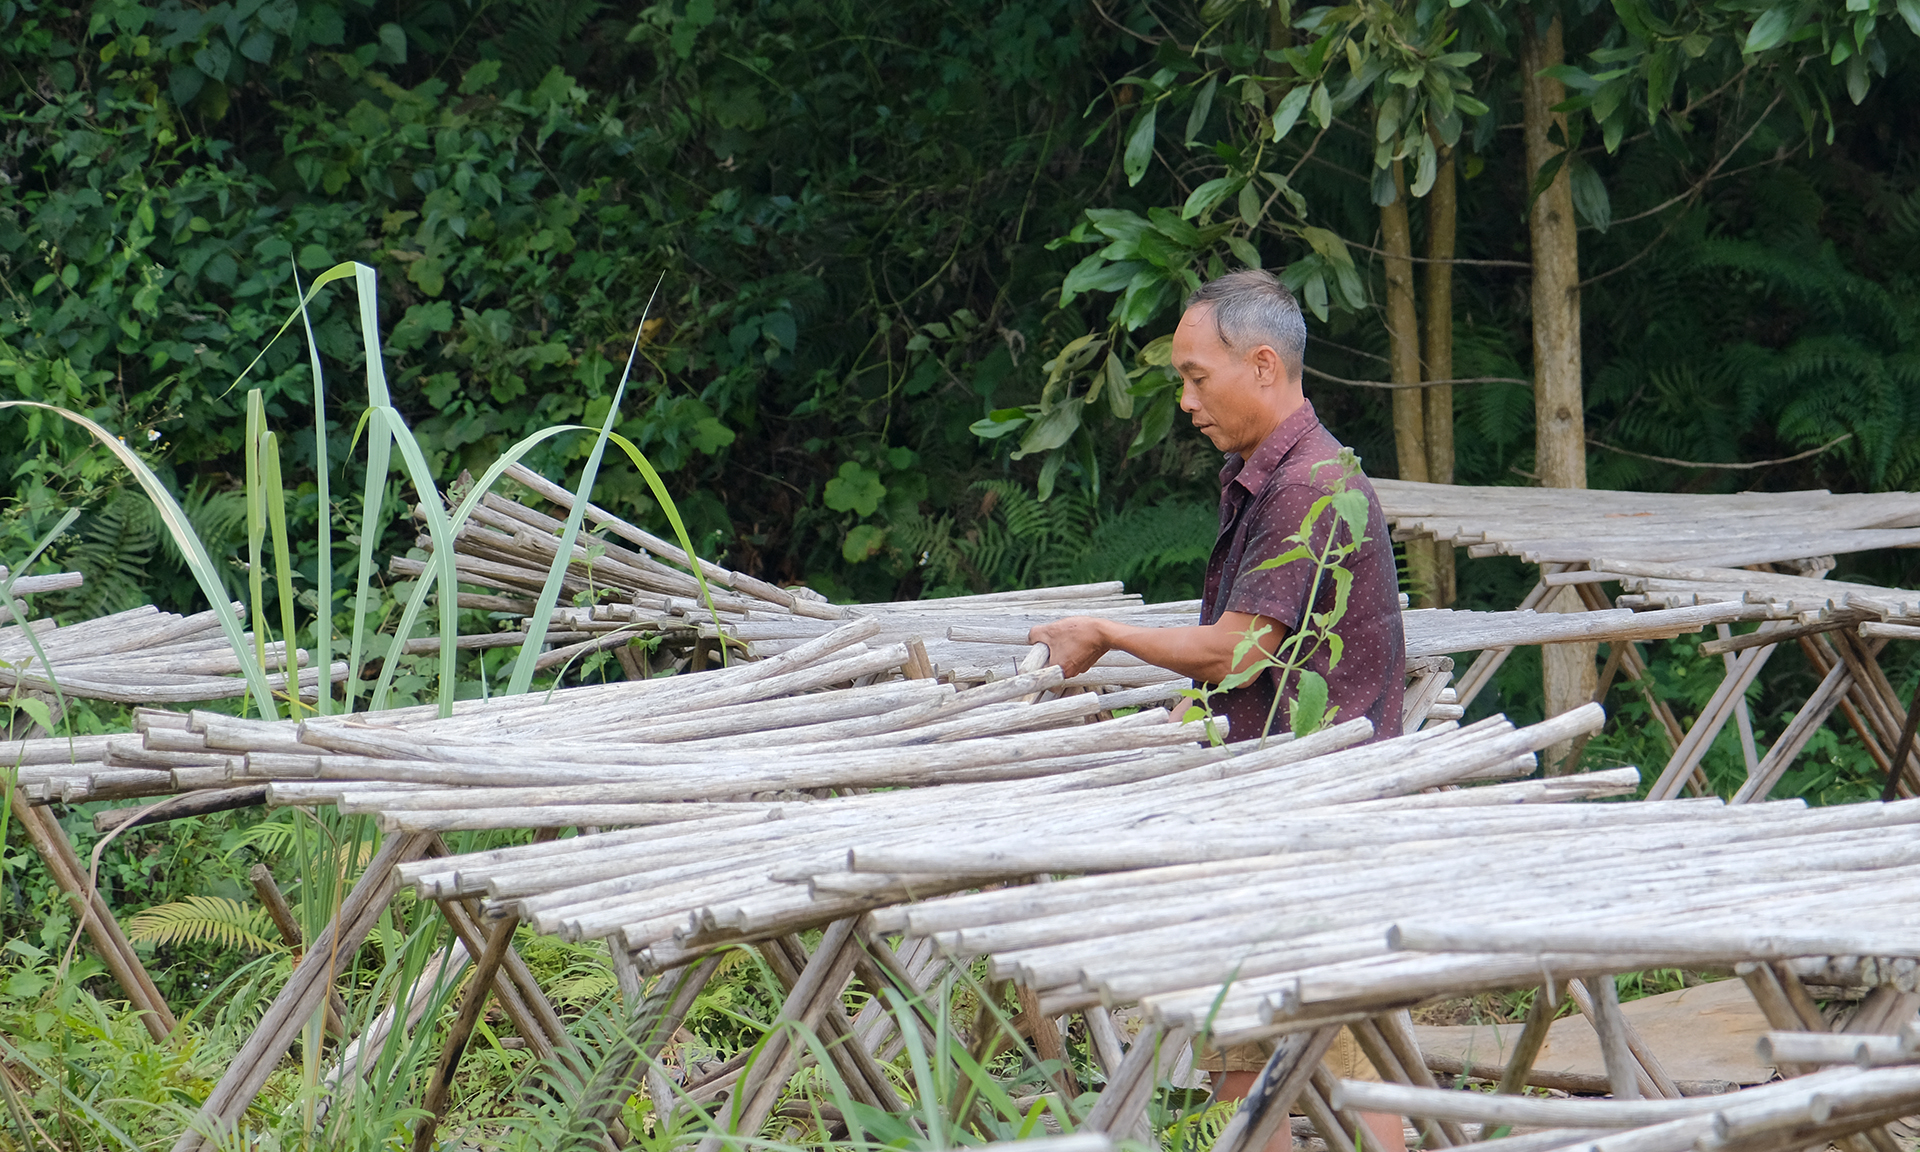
x=1480, y=673
x=1122, y=1107
x=1370, y=1035
x=1654, y=1081
x=1904, y=749
x=440, y=1087
x=857, y=1067
x=277, y=909
x=1048, y=1044
x=1742, y=720
x=1533, y=1037
x=50, y=841
x=1602, y=1006
x=1295, y=1058
x=1693, y=747
x=505, y=989
x=305, y=991
x=1799, y=730
x=652, y=1023
x=1397, y=1029
x=818, y=985
x=1784, y=1001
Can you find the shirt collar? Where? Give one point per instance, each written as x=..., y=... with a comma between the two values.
x=1251, y=472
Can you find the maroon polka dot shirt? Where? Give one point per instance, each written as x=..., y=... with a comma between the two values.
x=1263, y=500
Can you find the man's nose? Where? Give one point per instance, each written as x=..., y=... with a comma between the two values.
x=1189, y=399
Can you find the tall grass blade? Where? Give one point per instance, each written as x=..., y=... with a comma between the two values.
x=322, y=467
x=672, y=510
x=256, y=525
x=276, y=497
x=410, y=613
x=198, y=562
x=550, y=591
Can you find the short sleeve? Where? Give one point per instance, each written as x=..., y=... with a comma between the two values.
x=1279, y=592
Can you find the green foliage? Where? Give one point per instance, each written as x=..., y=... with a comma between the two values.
x=215, y=919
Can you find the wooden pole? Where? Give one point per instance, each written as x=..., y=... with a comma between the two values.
x=1403, y=361
x=1442, y=220
x=440, y=1087
x=1560, y=458
x=282, y=915
x=1295, y=1058
x=50, y=841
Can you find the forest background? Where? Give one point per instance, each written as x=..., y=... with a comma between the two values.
x=914, y=260
x=916, y=263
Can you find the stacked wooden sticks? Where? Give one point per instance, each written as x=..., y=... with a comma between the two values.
x=620, y=884
x=1567, y=526
x=1672, y=551
x=1839, y=1105
x=140, y=656
x=1277, y=927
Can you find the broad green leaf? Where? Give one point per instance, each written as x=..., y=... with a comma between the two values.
x=1386, y=122
x=855, y=489
x=1051, y=430
x=1307, y=711
x=1119, y=395
x=1428, y=167
x=1910, y=12
x=1328, y=244
x=1140, y=145
x=1295, y=102
x=1244, y=250
x=999, y=422
x=1202, y=105
x=1206, y=196
x=1158, y=352
x=1771, y=29
x=1049, y=473
x=1572, y=77
x=1350, y=504
x=1096, y=274
x=1249, y=206
x=863, y=542
x=1174, y=227
x=1289, y=556
x=1321, y=105
x=1156, y=423
x=1590, y=196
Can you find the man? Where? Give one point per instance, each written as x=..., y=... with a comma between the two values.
x=1239, y=349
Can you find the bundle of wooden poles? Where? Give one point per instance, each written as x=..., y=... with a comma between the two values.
x=1569, y=526
x=1847, y=1106
x=1275, y=925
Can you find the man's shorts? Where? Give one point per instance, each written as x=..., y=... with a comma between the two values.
x=1344, y=1059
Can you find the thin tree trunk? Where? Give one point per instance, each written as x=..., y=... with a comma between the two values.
x=1442, y=211
x=1403, y=358
x=1559, y=414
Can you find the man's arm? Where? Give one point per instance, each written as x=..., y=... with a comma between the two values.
x=1202, y=651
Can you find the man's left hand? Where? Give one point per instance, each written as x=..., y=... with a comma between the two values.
x=1075, y=643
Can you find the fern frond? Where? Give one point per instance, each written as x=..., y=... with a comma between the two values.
x=227, y=923
x=115, y=546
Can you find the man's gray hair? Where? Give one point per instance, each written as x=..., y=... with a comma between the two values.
x=1251, y=308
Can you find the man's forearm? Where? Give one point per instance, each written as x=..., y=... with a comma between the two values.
x=1203, y=652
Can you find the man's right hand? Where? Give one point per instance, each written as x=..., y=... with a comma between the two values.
x=1075, y=643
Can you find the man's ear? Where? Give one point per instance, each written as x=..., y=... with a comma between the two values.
x=1268, y=365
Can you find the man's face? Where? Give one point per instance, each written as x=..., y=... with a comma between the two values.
x=1230, y=395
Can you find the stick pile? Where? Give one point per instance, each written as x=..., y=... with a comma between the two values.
x=1286, y=924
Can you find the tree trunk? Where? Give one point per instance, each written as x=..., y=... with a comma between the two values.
x=1442, y=210
x=1403, y=360
x=1559, y=414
